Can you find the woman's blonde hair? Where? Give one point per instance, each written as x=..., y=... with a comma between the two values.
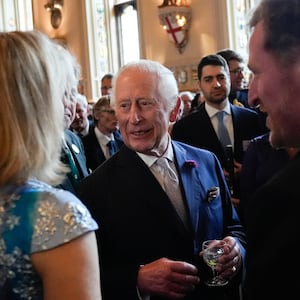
x=34, y=75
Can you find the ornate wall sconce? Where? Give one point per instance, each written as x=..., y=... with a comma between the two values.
x=55, y=7
x=175, y=17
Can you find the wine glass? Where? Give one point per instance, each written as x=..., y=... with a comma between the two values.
x=212, y=250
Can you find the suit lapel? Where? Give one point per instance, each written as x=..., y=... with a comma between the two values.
x=192, y=188
x=147, y=188
x=77, y=155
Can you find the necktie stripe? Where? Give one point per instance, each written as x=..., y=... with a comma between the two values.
x=111, y=147
x=171, y=186
x=222, y=130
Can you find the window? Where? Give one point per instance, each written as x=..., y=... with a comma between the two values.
x=16, y=15
x=238, y=17
x=127, y=31
x=113, y=37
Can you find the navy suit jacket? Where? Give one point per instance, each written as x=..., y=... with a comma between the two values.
x=93, y=152
x=74, y=143
x=197, y=130
x=273, y=233
x=138, y=223
x=261, y=162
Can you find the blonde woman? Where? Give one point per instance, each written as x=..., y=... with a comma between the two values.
x=47, y=241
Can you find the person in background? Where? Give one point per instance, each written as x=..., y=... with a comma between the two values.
x=47, y=239
x=150, y=235
x=197, y=100
x=201, y=128
x=90, y=113
x=187, y=98
x=81, y=124
x=72, y=151
x=238, y=92
x=272, y=218
x=106, y=84
x=105, y=133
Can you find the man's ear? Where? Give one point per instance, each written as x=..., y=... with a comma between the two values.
x=175, y=111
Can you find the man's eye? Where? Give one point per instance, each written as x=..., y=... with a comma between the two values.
x=125, y=105
x=144, y=102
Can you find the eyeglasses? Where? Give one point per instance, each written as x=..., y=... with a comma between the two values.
x=106, y=87
x=237, y=71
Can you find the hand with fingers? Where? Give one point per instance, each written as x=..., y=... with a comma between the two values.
x=230, y=261
x=167, y=278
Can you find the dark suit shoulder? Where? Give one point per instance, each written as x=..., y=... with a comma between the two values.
x=243, y=110
x=89, y=138
x=187, y=124
x=71, y=136
x=247, y=120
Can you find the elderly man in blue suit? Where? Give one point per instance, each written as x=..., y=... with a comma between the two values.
x=150, y=237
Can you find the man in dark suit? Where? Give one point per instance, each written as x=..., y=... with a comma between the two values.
x=199, y=129
x=150, y=237
x=105, y=131
x=73, y=152
x=272, y=216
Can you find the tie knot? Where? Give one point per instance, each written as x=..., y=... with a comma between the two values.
x=166, y=169
x=220, y=115
x=162, y=161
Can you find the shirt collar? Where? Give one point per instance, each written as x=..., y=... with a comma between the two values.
x=149, y=160
x=102, y=138
x=213, y=111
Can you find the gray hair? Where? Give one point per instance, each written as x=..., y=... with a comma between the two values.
x=167, y=89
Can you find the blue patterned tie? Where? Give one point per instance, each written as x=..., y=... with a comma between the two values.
x=222, y=130
x=111, y=147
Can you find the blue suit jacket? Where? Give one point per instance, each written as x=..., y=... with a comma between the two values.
x=138, y=223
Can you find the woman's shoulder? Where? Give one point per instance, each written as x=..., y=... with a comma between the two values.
x=56, y=216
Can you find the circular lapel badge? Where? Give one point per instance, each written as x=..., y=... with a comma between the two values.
x=75, y=148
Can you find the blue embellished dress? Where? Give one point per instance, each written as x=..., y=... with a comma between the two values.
x=35, y=217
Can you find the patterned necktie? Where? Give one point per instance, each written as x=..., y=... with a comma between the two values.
x=111, y=147
x=222, y=130
x=170, y=184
